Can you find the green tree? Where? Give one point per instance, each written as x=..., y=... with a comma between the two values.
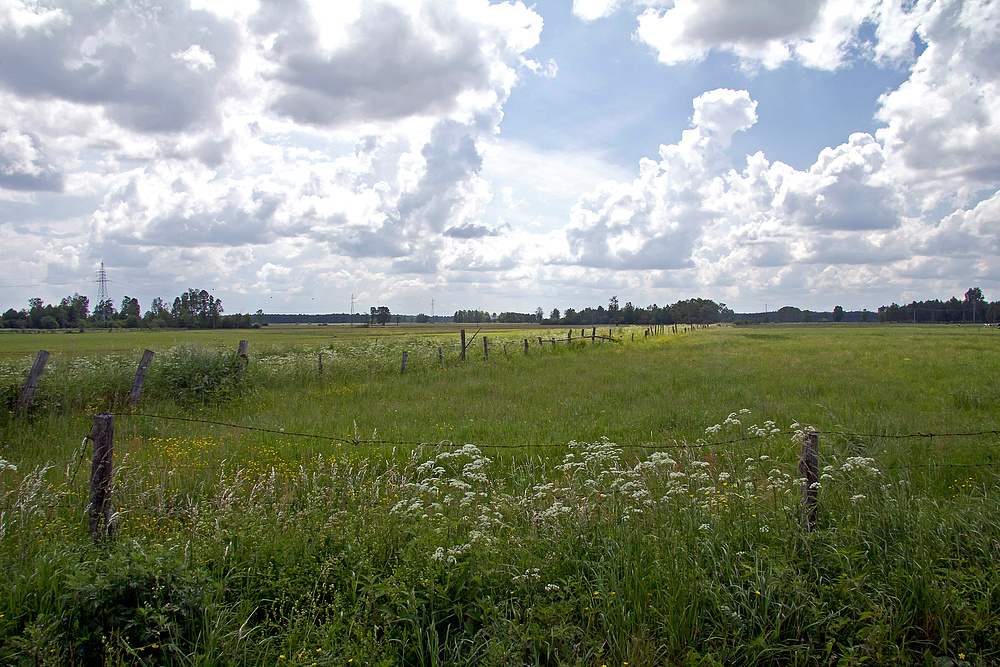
x=975, y=302
x=104, y=312
x=130, y=312
x=838, y=314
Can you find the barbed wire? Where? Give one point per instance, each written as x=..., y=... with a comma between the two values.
x=698, y=444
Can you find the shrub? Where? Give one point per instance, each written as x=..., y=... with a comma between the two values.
x=193, y=373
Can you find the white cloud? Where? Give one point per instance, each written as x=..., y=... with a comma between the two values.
x=23, y=164
x=943, y=125
x=395, y=60
x=817, y=33
x=591, y=10
x=299, y=148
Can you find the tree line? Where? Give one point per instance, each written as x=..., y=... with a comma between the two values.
x=689, y=311
x=194, y=309
x=974, y=308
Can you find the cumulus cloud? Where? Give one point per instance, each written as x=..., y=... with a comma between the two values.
x=87, y=54
x=394, y=61
x=817, y=33
x=24, y=165
x=943, y=124
x=691, y=213
x=590, y=10
x=653, y=222
x=285, y=147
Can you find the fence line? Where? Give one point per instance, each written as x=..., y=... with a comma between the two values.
x=700, y=444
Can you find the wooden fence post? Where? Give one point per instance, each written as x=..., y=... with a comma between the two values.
x=140, y=378
x=526, y=346
x=809, y=471
x=463, y=344
x=593, y=335
x=99, y=508
x=403, y=369
x=540, y=342
x=27, y=396
x=569, y=336
x=321, y=365
x=441, y=355
x=486, y=350
x=244, y=350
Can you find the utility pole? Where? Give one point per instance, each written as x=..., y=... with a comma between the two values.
x=432, y=309
x=352, y=309
x=102, y=289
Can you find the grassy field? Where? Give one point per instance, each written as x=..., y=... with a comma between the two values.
x=619, y=503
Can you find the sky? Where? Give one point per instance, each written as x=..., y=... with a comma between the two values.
x=435, y=155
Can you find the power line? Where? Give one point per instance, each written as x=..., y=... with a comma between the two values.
x=102, y=291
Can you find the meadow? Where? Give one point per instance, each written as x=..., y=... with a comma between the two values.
x=617, y=503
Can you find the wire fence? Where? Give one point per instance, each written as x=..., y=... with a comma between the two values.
x=798, y=438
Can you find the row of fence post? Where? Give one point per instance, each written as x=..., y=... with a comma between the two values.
x=27, y=395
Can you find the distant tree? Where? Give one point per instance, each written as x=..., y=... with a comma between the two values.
x=539, y=314
x=613, y=310
x=382, y=315
x=789, y=314
x=554, y=316
x=74, y=310
x=130, y=312
x=104, y=312
x=807, y=316
x=838, y=314
x=422, y=318
x=14, y=319
x=975, y=301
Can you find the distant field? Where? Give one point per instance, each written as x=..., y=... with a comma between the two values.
x=103, y=341
x=582, y=504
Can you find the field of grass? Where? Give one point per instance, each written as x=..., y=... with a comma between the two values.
x=619, y=503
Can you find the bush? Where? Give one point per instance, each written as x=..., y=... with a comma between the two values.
x=192, y=373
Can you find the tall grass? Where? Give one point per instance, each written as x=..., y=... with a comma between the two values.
x=669, y=541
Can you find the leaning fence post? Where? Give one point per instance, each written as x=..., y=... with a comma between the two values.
x=140, y=377
x=99, y=508
x=403, y=369
x=809, y=471
x=27, y=396
x=463, y=344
